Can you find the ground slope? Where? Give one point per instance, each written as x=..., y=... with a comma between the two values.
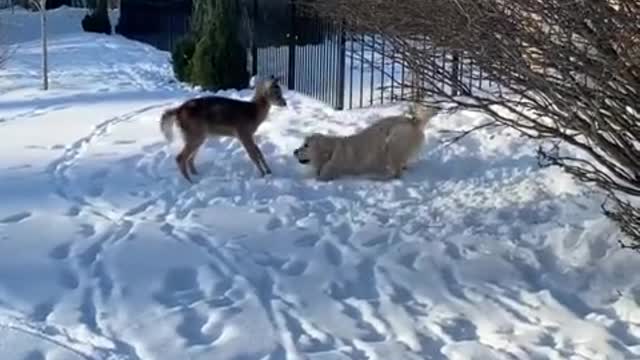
x=106, y=253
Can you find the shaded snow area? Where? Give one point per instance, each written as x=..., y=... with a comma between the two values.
x=107, y=253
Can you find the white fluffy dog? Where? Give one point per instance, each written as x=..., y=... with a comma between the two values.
x=381, y=150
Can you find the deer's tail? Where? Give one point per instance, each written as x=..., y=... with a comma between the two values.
x=167, y=121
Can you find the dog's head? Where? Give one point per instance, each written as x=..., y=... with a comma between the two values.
x=316, y=149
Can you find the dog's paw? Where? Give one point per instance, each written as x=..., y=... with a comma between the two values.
x=325, y=178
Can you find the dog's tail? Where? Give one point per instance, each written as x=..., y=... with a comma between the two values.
x=422, y=114
x=166, y=123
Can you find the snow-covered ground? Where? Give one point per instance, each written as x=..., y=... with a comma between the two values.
x=106, y=253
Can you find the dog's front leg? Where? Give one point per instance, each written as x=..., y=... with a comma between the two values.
x=395, y=163
x=391, y=174
x=325, y=176
x=393, y=171
x=327, y=172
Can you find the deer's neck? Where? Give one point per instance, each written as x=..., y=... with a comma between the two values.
x=262, y=109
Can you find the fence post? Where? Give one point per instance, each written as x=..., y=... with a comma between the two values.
x=455, y=73
x=293, y=35
x=254, y=46
x=341, y=65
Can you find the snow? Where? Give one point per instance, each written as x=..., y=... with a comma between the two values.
x=106, y=253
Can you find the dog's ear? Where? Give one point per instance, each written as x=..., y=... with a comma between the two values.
x=315, y=136
x=319, y=148
x=325, y=170
x=325, y=149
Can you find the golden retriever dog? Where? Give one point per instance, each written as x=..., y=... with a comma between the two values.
x=380, y=151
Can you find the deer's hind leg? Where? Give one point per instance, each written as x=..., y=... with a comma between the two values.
x=192, y=142
x=191, y=161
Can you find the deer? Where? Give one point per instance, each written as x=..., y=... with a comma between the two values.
x=217, y=116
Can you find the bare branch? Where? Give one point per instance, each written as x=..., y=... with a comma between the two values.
x=459, y=135
x=556, y=71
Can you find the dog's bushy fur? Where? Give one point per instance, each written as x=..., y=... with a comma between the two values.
x=381, y=150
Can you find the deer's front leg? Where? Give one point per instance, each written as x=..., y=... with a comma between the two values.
x=254, y=152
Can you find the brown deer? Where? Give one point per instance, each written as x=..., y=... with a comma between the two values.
x=206, y=116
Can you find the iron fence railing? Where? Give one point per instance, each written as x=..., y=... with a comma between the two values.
x=325, y=61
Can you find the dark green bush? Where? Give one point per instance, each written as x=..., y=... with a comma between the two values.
x=217, y=60
x=202, y=65
x=229, y=55
x=181, y=58
x=98, y=20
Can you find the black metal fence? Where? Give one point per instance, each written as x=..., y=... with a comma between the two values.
x=316, y=57
x=305, y=51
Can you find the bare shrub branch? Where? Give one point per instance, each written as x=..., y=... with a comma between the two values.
x=563, y=72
